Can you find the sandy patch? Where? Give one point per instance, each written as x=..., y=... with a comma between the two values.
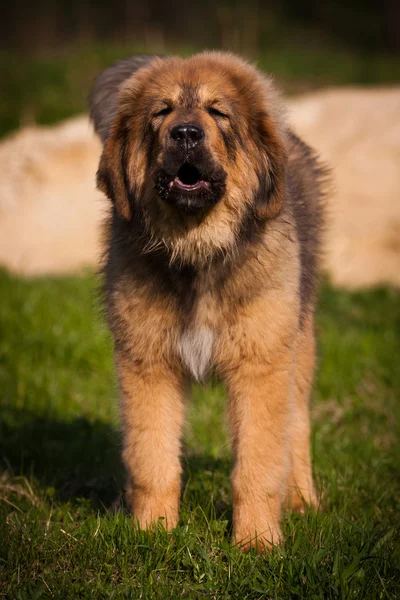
x=49, y=207
x=357, y=132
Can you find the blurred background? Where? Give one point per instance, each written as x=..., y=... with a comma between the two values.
x=50, y=50
x=337, y=62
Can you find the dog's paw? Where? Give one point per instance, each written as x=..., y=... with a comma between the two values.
x=261, y=538
x=151, y=511
x=299, y=500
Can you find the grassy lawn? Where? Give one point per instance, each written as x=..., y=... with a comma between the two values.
x=61, y=472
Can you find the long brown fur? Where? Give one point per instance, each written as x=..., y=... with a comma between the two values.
x=229, y=287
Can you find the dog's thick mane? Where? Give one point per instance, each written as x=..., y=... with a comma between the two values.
x=181, y=248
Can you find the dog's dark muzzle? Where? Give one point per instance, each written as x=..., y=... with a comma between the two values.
x=189, y=178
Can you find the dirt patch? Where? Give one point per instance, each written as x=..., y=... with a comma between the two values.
x=50, y=210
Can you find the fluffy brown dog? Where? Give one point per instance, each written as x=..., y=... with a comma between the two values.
x=211, y=261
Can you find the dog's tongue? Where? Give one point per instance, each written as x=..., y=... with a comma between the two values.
x=201, y=184
x=188, y=178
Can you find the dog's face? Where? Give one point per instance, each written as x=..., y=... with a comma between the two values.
x=195, y=145
x=188, y=154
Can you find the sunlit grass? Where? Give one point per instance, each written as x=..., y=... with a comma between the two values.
x=60, y=464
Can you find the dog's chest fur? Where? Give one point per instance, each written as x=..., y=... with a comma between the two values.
x=195, y=347
x=196, y=341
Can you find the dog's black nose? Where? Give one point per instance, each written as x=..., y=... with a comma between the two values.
x=188, y=134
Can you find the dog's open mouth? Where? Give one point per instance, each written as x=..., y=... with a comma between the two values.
x=188, y=179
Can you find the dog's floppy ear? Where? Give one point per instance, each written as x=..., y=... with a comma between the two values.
x=112, y=175
x=111, y=126
x=271, y=135
x=271, y=191
x=103, y=98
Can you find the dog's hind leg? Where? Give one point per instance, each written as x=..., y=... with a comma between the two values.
x=301, y=486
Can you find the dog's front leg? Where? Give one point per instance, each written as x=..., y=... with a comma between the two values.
x=152, y=413
x=259, y=412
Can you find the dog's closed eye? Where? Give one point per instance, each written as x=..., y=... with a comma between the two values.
x=216, y=112
x=163, y=112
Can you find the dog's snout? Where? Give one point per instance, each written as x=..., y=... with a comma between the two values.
x=187, y=134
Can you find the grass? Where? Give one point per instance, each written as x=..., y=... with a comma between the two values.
x=61, y=471
x=45, y=89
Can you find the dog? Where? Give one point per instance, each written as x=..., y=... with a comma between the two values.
x=211, y=262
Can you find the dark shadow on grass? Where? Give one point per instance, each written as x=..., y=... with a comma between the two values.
x=205, y=483
x=82, y=459
x=78, y=458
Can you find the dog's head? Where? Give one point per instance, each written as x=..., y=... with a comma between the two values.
x=195, y=145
